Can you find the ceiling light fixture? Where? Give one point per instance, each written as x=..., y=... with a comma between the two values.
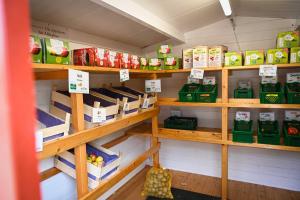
x=226, y=7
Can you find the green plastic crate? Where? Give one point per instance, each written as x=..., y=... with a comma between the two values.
x=270, y=93
x=292, y=91
x=291, y=140
x=188, y=92
x=184, y=123
x=268, y=132
x=243, y=93
x=242, y=131
x=207, y=93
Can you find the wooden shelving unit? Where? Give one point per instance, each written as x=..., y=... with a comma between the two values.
x=205, y=135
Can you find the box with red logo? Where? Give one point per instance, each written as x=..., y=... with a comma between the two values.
x=84, y=57
x=125, y=60
x=134, y=62
x=113, y=59
x=101, y=57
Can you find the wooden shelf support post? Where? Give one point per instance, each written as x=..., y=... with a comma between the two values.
x=154, y=140
x=224, y=134
x=80, y=151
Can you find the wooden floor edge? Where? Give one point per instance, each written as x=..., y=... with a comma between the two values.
x=107, y=184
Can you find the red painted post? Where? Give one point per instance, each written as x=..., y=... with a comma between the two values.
x=19, y=177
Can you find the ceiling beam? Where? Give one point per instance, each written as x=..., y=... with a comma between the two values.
x=143, y=16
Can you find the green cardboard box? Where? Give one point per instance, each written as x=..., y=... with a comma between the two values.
x=56, y=51
x=36, y=51
x=171, y=62
x=155, y=63
x=144, y=63
x=255, y=57
x=278, y=56
x=288, y=39
x=295, y=55
x=233, y=59
x=164, y=51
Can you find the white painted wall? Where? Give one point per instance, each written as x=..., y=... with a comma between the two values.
x=62, y=186
x=266, y=167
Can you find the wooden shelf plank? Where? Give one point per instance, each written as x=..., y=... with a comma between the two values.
x=255, y=103
x=175, y=102
x=110, y=182
x=63, y=144
x=49, y=173
x=252, y=67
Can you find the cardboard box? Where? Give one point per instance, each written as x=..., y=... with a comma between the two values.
x=233, y=59
x=288, y=39
x=277, y=56
x=295, y=55
x=144, y=63
x=155, y=64
x=125, y=60
x=200, y=56
x=56, y=51
x=35, y=47
x=164, y=50
x=84, y=57
x=255, y=57
x=134, y=62
x=216, y=56
x=171, y=62
x=113, y=59
x=101, y=57
x=187, y=56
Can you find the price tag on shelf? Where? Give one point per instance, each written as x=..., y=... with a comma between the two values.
x=268, y=79
x=78, y=81
x=292, y=115
x=38, y=140
x=242, y=116
x=124, y=75
x=99, y=115
x=126, y=107
x=268, y=70
x=153, y=85
x=209, y=80
x=145, y=103
x=293, y=77
x=193, y=80
x=197, y=73
x=267, y=116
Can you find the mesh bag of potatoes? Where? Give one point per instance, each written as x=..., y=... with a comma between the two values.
x=158, y=183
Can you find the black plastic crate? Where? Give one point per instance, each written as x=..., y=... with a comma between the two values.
x=184, y=123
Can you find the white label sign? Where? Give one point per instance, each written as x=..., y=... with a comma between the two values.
x=242, y=116
x=153, y=85
x=197, y=73
x=124, y=75
x=269, y=79
x=145, y=103
x=267, y=116
x=126, y=107
x=293, y=78
x=193, y=80
x=209, y=80
x=38, y=140
x=268, y=70
x=78, y=81
x=292, y=115
x=244, y=84
x=99, y=115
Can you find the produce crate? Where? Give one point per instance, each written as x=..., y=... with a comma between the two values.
x=270, y=93
x=142, y=67
x=184, y=123
x=292, y=91
x=291, y=140
x=207, y=93
x=243, y=93
x=188, y=92
x=268, y=132
x=242, y=131
x=111, y=161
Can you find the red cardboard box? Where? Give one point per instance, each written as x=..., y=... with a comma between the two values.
x=125, y=60
x=113, y=59
x=134, y=62
x=101, y=57
x=84, y=57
